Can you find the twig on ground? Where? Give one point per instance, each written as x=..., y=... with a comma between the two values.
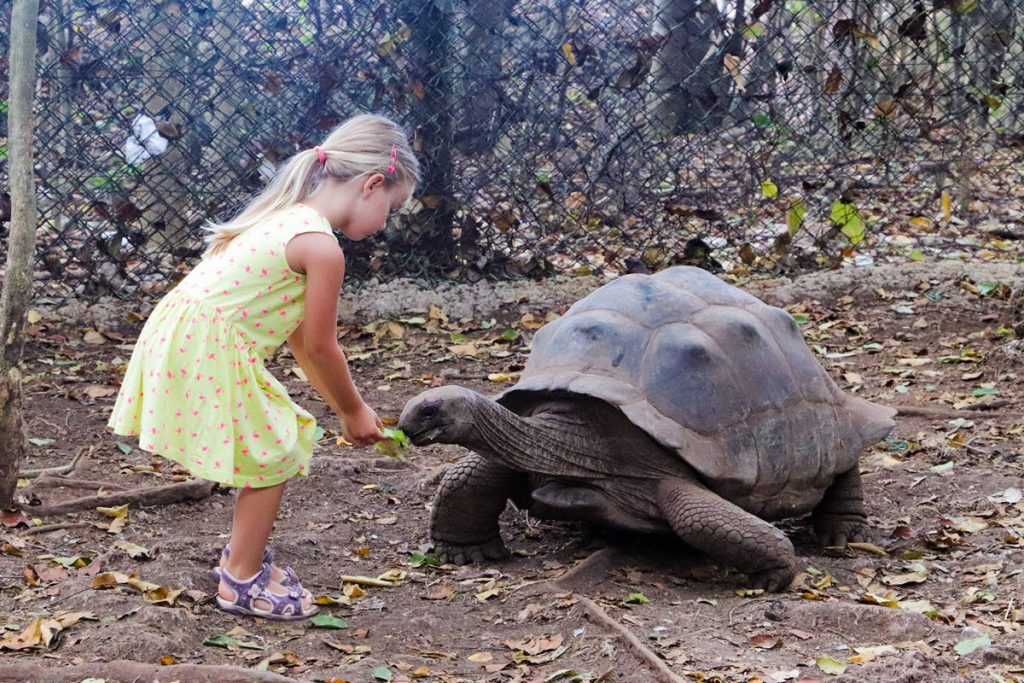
x=62, y=469
x=980, y=411
x=368, y=581
x=191, y=490
x=124, y=670
x=662, y=671
x=46, y=528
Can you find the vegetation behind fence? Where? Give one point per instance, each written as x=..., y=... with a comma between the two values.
x=557, y=136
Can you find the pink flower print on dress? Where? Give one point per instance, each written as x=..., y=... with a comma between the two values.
x=238, y=470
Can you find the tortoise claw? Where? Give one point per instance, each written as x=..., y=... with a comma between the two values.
x=838, y=530
x=773, y=580
x=470, y=553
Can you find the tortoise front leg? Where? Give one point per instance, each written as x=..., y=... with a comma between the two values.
x=471, y=497
x=840, y=517
x=727, y=533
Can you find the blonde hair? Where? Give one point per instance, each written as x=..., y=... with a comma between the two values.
x=361, y=145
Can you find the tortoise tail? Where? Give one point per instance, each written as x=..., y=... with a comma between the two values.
x=872, y=421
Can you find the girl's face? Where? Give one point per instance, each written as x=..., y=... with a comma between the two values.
x=374, y=204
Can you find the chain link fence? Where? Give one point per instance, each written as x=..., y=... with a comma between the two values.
x=557, y=136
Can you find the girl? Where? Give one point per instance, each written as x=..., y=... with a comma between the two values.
x=196, y=390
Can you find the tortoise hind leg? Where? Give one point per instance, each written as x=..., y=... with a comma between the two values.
x=840, y=517
x=727, y=533
x=469, y=500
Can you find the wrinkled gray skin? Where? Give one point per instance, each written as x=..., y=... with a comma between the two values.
x=671, y=402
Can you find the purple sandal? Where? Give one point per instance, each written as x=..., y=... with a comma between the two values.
x=286, y=607
x=290, y=577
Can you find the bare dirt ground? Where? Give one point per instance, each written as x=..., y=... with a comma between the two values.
x=938, y=597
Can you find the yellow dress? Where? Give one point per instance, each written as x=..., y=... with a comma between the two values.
x=196, y=389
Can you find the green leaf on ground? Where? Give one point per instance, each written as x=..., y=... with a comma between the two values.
x=221, y=640
x=328, y=621
x=966, y=647
x=419, y=559
x=636, y=599
x=830, y=665
x=846, y=216
x=124, y=448
x=382, y=673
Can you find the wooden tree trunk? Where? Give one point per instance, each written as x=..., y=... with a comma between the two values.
x=431, y=84
x=688, y=90
x=17, y=288
x=483, y=104
x=163, y=195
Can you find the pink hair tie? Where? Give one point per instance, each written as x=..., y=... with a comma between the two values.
x=394, y=159
x=321, y=156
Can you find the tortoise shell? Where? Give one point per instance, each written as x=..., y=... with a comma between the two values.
x=713, y=373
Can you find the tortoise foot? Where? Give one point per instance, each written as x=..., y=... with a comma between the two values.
x=470, y=553
x=838, y=530
x=773, y=580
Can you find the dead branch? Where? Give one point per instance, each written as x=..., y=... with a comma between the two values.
x=124, y=671
x=596, y=613
x=191, y=490
x=61, y=469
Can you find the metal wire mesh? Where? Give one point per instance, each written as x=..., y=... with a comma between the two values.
x=557, y=136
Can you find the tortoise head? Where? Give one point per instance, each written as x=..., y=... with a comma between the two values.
x=440, y=415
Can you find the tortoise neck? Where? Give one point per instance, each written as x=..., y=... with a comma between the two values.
x=535, y=443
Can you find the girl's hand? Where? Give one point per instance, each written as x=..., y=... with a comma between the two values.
x=362, y=427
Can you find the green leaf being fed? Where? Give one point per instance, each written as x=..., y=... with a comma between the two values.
x=394, y=444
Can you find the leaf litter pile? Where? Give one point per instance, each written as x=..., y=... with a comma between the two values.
x=91, y=580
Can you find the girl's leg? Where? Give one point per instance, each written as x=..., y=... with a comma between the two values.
x=255, y=512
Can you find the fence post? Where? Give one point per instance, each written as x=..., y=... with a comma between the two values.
x=17, y=288
x=431, y=91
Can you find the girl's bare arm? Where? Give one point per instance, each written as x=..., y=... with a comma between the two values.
x=315, y=342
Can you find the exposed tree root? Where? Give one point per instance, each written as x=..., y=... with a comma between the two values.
x=193, y=489
x=662, y=672
x=58, y=481
x=62, y=469
x=124, y=671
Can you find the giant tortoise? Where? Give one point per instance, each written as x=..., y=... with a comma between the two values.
x=662, y=402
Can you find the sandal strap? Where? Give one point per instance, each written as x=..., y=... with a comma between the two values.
x=246, y=590
x=291, y=579
x=258, y=588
